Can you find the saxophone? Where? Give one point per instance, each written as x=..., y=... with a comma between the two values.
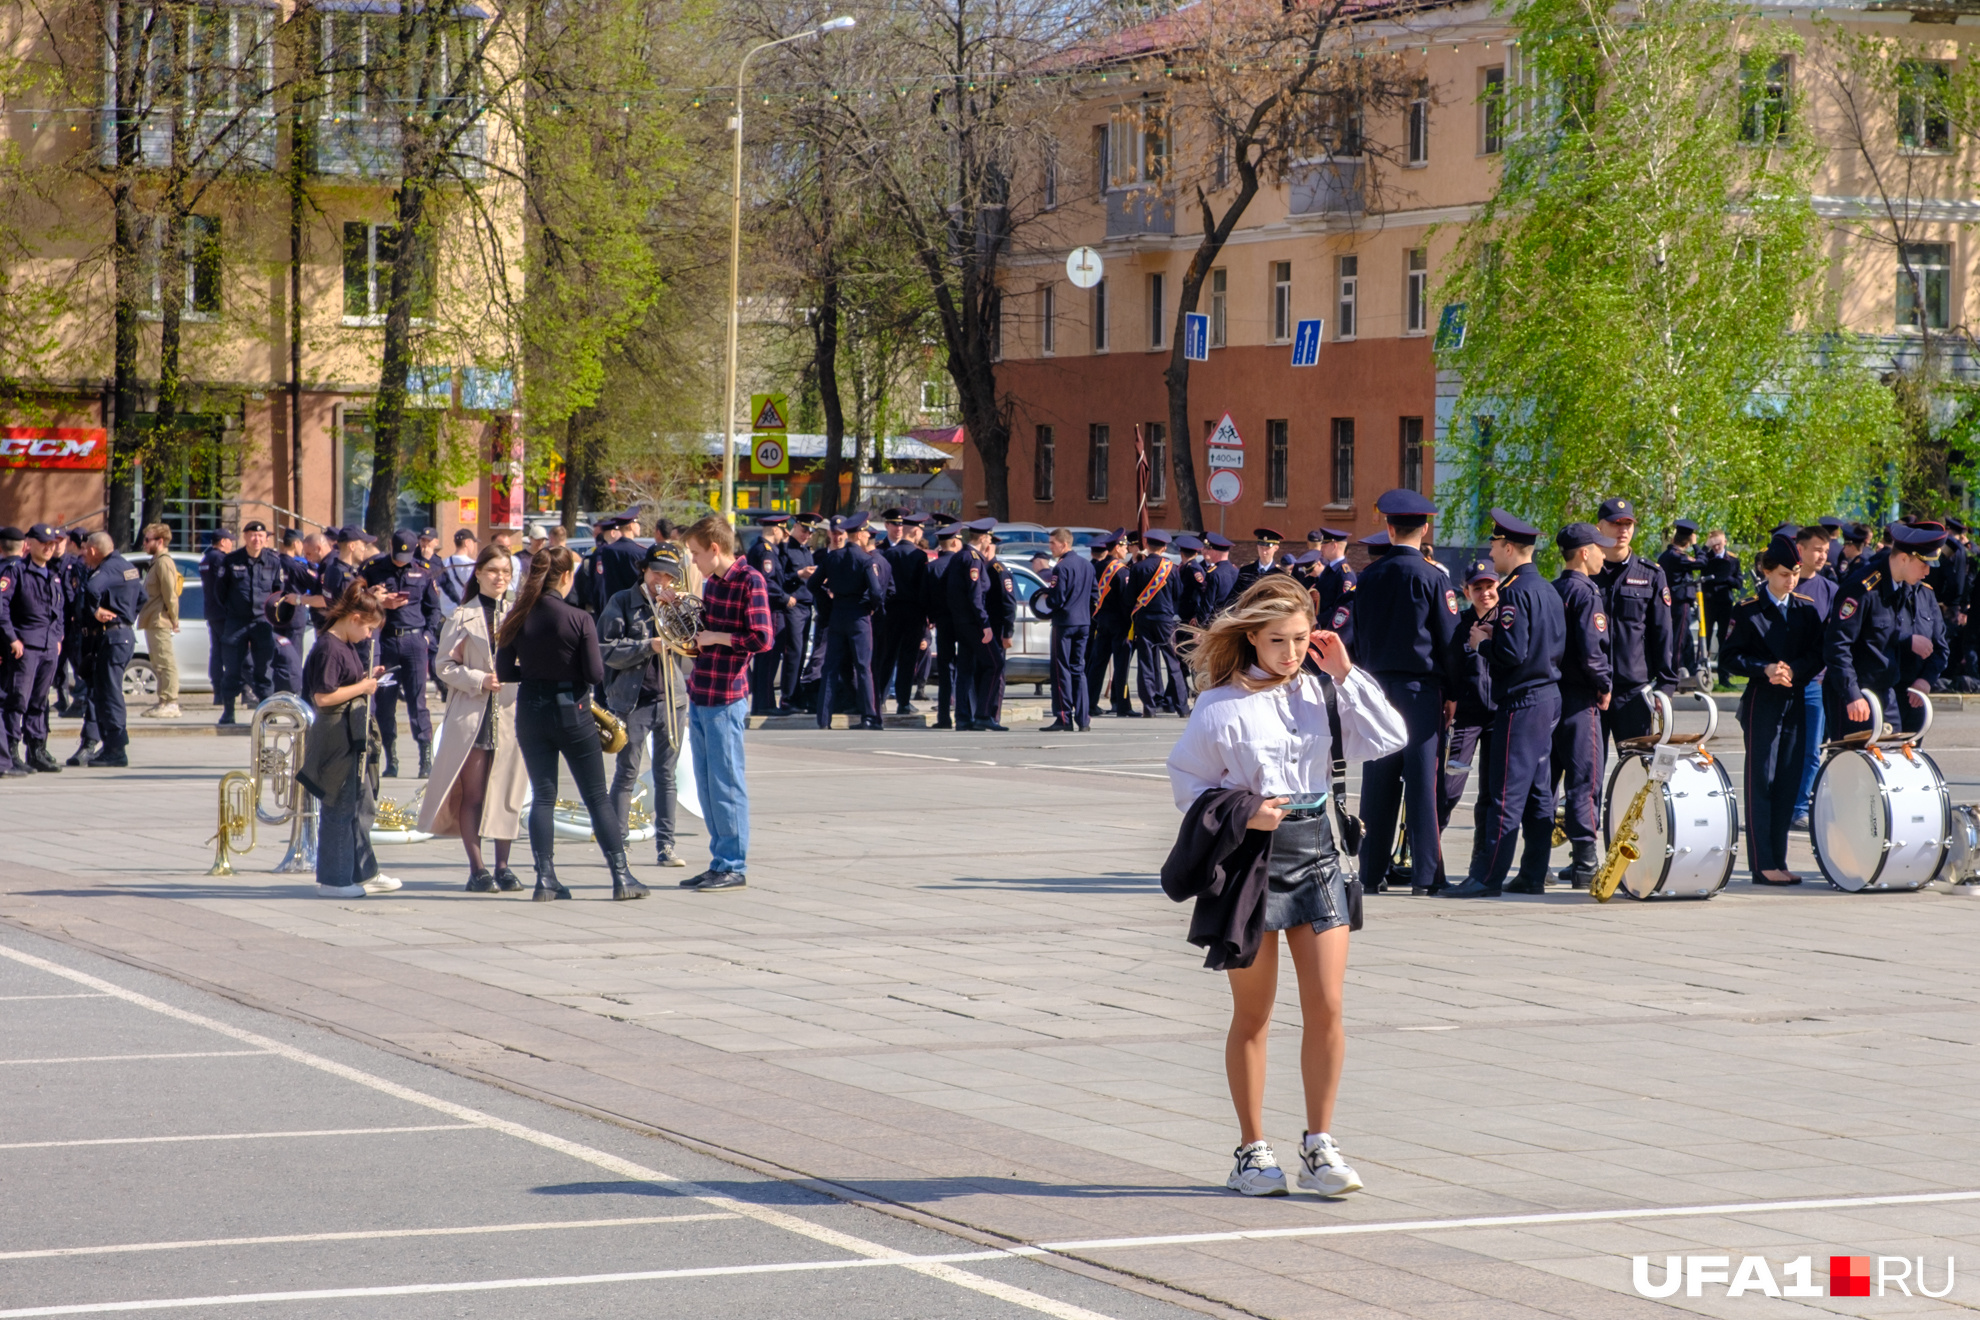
x=1623, y=850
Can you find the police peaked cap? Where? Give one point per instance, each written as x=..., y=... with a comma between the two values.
x=1213, y=541
x=1267, y=534
x=1577, y=534
x=1402, y=503
x=1617, y=509
x=1506, y=527
x=1923, y=540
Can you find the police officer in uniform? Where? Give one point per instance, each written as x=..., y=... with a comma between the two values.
x=904, y=633
x=621, y=564
x=71, y=676
x=219, y=544
x=1192, y=580
x=1776, y=644
x=1576, y=757
x=1068, y=604
x=112, y=594
x=1885, y=635
x=38, y=612
x=412, y=610
x=1523, y=644
x=11, y=650
x=1640, y=639
x=935, y=604
x=1221, y=575
x=286, y=615
x=1268, y=549
x=1405, y=623
x=1682, y=567
x=766, y=557
x=967, y=587
x=248, y=577
x=1113, y=610
x=1468, y=740
x=1153, y=591
x=796, y=567
x=1723, y=584
x=1001, y=600
x=850, y=578
x=353, y=546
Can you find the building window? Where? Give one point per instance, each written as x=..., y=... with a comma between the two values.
x=1048, y=316
x=1416, y=292
x=1923, y=121
x=1096, y=462
x=1412, y=454
x=1157, y=309
x=223, y=60
x=1344, y=460
x=1100, y=317
x=934, y=396
x=1043, y=460
x=1282, y=325
x=1158, y=461
x=1419, y=123
x=1137, y=150
x=369, y=253
x=1275, y=462
x=1103, y=170
x=1048, y=183
x=199, y=273
x=1219, y=314
x=1350, y=279
x=1492, y=109
x=1763, y=99
x=1924, y=286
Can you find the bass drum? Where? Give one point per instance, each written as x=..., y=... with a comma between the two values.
x=1688, y=836
x=1881, y=819
x=1963, y=866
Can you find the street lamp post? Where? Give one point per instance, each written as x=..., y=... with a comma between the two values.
x=839, y=24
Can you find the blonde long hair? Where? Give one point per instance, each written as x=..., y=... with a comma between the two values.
x=1222, y=654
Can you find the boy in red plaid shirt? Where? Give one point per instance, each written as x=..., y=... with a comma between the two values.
x=735, y=621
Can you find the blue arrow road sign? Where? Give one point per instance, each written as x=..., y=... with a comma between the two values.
x=1196, y=337
x=1306, y=343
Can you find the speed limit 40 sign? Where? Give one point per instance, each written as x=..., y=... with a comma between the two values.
x=769, y=455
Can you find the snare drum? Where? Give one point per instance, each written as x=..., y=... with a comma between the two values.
x=1688, y=836
x=1963, y=865
x=1880, y=818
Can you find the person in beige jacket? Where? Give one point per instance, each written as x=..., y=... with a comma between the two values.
x=159, y=617
x=478, y=781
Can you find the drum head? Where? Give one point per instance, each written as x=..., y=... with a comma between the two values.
x=1653, y=828
x=1849, y=823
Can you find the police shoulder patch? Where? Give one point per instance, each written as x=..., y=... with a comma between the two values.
x=1847, y=610
x=1667, y=595
x=1601, y=622
x=972, y=572
x=1450, y=600
x=1506, y=615
x=130, y=575
x=1341, y=617
x=5, y=583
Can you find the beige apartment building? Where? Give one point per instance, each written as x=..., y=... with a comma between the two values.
x=286, y=417
x=1359, y=243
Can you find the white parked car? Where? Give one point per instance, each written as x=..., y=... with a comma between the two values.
x=190, y=647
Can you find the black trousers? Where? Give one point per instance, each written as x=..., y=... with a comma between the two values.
x=103, y=658
x=1405, y=779
x=1110, y=647
x=1718, y=622
x=967, y=648
x=1520, y=785
x=553, y=720
x=796, y=649
x=1576, y=765
x=1465, y=746
x=895, y=659
x=1069, y=695
x=988, y=672
x=814, y=651
x=848, y=646
x=1683, y=613
x=404, y=657
x=945, y=671
x=247, y=653
x=763, y=687
x=1158, y=669
x=1629, y=715
x=1771, y=718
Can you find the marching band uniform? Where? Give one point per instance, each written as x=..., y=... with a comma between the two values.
x=1639, y=601
x=1405, y=619
x=1773, y=718
x=1113, y=606
x=1529, y=636
x=1868, y=646
x=1468, y=740
x=1585, y=679
x=1158, y=670
x=1268, y=547
x=1681, y=570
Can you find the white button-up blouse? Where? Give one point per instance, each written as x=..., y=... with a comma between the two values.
x=1275, y=742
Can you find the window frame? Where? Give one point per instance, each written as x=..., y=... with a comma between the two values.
x=1098, y=306
x=1923, y=108
x=1158, y=299
x=1416, y=291
x=1773, y=102
x=201, y=262
x=1048, y=319
x=1417, y=127
x=1158, y=461
x=1347, y=301
x=1220, y=291
x=1137, y=132
x=1410, y=453
x=1099, y=461
x=1044, y=465
x=1278, y=460
x=1916, y=285
x=1492, y=118
x=1282, y=318
x=1340, y=451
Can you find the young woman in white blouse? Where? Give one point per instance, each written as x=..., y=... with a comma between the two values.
x=1260, y=724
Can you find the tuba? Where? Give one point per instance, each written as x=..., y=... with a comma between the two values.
x=276, y=736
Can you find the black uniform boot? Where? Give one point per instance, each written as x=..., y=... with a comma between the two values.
x=1587, y=860
x=38, y=758
x=425, y=760
x=623, y=884
x=547, y=887
x=391, y=770
x=18, y=756
x=85, y=754
x=1532, y=877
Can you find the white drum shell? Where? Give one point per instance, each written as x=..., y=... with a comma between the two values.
x=1963, y=865
x=1880, y=821
x=1688, y=836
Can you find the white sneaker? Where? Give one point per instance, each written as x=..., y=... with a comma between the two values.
x=381, y=884
x=1321, y=1168
x=340, y=891
x=1257, y=1172
x=167, y=710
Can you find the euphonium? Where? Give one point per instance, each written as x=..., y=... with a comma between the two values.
x=275, y=736
x=236, y=833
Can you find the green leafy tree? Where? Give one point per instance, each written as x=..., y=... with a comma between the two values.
x=1645, y=297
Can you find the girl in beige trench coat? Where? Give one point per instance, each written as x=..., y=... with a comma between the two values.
x=478, y=782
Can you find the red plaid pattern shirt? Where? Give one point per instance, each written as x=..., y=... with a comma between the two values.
x=737, y=603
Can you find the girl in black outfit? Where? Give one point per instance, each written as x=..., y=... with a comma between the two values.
x=550, y=648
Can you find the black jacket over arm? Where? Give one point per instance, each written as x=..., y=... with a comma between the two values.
x=1223, y=866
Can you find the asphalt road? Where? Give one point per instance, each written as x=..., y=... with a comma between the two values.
x=163, y=1149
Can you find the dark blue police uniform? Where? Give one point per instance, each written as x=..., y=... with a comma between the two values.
x=1220, y=585
x=1069, y=606
x=1113, y=611
x=402, y=648
x=1468, y=740
x=794, y=556
x=1682, y=569
x=12, y=762
x=1868, y=646
x=851, y=581
x=1524, y=650
x=1576, y=756
x=1001, y=601
x=247, y=638
x=1773, y=718
x=967, y=586
x=905, y=626
x=1404, y=615
x=216, y=614
x=114, y=585
x=766, y=559
x=935, y=604
x=38, y=613
x=1152, y=590
x=291, y=622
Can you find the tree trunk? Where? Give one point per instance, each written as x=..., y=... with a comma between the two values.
x=132, y=30
x=1216, y=232
x=388, y=415
x=826, y=335
x=576, y=465
x=301, y=149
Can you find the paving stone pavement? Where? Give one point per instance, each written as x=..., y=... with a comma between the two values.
x=954, y=985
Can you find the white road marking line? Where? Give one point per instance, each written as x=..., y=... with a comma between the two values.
x=1090, y=770
x=125, y=1058
x=238, y=1136
x=920, y=1263
x=360, y=1235
x=873, y=1251
x=1516, y=1221
x=9, y=999
x=920, y=756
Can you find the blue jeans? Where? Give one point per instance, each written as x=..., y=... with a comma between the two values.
x=715, y=739
x=1813, y=720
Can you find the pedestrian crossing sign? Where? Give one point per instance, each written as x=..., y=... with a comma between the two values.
x=769, y=412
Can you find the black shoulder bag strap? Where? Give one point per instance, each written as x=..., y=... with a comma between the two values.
x=1349, y=824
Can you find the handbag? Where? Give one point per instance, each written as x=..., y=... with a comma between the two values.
x=1345, y=821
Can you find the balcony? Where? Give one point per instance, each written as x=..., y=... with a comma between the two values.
x=360, y=146
x=1326, y=187
x=224, y=140
x=1137, y=211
